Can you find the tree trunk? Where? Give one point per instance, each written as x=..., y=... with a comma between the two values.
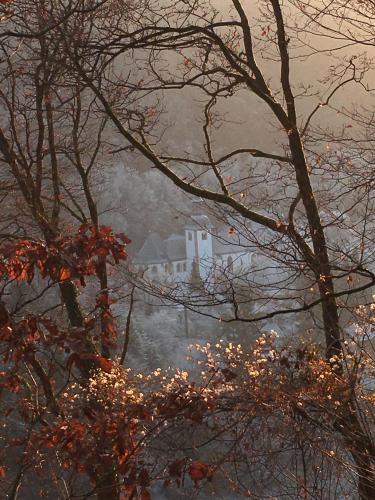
x=108, y=485
x=361, y=447
x=357, y=442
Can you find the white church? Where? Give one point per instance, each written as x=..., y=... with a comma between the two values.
x=212, y=251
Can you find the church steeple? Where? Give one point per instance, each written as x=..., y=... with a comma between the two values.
x=199, y=243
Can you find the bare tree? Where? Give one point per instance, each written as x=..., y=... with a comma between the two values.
x=296, y=201
x=52, y=145
x=215, y=54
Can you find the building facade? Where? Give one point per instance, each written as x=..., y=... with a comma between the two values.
x=200, y=245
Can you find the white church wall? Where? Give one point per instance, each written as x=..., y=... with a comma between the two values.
x=181, y=270
x=204, y=243
x=190, y=244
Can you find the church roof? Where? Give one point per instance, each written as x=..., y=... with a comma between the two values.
x=199, y=222
x=176, y=247
x=152, y=251
x=155, y=250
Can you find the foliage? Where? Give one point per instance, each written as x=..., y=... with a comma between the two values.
x=123, y=419
x=288, y=421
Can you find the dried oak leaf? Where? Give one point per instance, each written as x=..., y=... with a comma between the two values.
x=198, y=471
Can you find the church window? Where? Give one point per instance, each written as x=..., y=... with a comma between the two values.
x=184, y=267
x=204, y=236
x=190, y=236
x=178, y=267
x=154, y=269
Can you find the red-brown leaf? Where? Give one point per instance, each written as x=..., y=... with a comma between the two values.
x=198, y=471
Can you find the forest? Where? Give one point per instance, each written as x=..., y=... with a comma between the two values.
x=187, y=259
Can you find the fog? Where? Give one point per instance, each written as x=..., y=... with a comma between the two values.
x=144, y=201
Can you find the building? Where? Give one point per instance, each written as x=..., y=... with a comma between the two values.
x=200, y=244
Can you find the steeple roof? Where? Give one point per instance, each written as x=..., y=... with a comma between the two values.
x=199, y=222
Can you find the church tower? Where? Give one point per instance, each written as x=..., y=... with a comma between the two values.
x=199, y=247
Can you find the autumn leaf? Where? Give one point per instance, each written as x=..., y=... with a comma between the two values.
x=123, y=238
x=83, y=228
x=18, y=274
x=198, y=471
x=231, y=231
x=151, y=112
x=102, y=252
x=99, y=361
x=103, y=299
x=145, y=494
x=64, y=274
x=104, y=364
